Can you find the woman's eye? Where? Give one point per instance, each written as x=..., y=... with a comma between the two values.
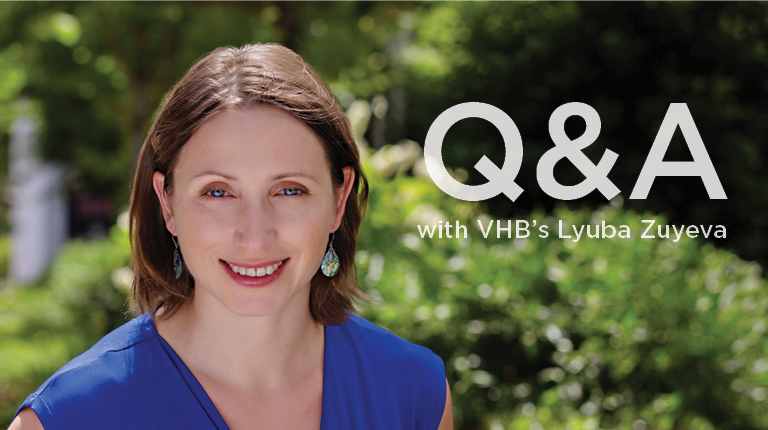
x=292, y=191
x=216, y=192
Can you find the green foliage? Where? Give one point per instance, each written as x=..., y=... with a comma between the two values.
x=44, y=326
x=5, y=248
x=551, y=333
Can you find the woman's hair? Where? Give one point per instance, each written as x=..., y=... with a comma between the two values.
x=240, y=78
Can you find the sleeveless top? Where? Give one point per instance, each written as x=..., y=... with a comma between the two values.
x=132, y=378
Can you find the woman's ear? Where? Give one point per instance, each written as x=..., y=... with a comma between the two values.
x=343, y=194
x=158, y=183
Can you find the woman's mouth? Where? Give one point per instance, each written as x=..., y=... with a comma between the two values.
x=257, y=272
x=261, y=274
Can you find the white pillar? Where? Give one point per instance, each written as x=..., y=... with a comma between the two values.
x=39, y=211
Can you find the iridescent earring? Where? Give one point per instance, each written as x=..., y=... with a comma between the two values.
x=177, y=265
x=330, y=264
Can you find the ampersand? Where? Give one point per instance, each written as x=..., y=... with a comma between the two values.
x=596, y=175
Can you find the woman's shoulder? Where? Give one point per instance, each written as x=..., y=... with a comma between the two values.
x=389, y=353
x=386, y=345
x=373, y=369
x=100, y=374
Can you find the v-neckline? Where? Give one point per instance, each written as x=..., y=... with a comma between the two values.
x=205, y=400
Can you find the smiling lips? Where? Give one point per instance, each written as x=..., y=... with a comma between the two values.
x=255, y=272
x=254, y=276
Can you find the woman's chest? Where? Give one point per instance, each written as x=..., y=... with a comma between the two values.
x=298, y=407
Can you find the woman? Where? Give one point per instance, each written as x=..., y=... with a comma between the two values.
x=244, y=212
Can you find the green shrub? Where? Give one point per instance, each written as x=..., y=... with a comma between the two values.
x=549, y=333
x=44, y=326
x=5, y=250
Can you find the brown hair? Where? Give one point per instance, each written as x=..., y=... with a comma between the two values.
x=232, y=78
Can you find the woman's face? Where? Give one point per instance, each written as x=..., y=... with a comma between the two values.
x=252, y=205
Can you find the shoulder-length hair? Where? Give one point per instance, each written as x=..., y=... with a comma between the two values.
x=236, y=78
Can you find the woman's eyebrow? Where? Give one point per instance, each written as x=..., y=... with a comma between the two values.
x=294, y=175
x=214, y=173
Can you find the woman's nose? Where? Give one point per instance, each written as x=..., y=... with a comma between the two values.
x=254, y=227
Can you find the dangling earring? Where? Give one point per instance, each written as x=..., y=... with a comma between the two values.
x=177, y=265
x=330, y=265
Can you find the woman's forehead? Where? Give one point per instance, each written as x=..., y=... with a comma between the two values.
x=264, y=140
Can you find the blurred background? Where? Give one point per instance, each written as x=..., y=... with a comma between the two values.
x=535, y=333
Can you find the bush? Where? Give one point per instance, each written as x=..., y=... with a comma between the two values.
x=5, y=249
x=44, y=326
x=549, y=333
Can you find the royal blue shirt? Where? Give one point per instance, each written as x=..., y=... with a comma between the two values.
x=133, y=379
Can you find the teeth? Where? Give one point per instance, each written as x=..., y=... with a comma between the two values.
x=255, y=273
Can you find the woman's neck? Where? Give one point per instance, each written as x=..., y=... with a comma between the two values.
x=246, y=353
